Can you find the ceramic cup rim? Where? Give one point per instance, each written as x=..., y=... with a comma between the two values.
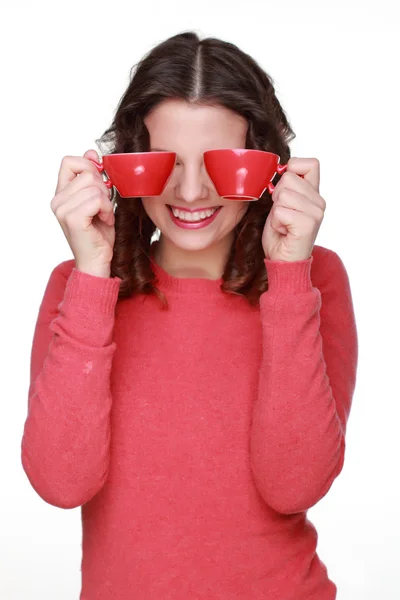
x=243, y=151
x=137, y=154
x=218, y=150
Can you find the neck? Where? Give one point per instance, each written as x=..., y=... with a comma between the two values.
x=208, y=263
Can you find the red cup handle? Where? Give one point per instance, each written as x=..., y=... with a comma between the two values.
x=100, y=169
x=280, y=169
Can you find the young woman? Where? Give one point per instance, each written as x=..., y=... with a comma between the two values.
x=192, y=393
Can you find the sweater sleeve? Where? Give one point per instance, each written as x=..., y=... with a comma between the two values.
x=306, y=382
x=66, y=436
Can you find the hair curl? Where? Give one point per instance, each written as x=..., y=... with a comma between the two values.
x=207, y=71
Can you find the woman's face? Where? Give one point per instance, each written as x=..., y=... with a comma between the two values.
x=189, y=130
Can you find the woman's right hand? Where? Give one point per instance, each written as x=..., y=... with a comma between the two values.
x=84, y=210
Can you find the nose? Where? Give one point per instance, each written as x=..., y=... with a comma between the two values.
x=192, y=184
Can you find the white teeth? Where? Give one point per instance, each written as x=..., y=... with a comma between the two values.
x=195, y=216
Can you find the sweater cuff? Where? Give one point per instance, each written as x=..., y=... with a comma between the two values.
x=289, y=276
x=92, y=292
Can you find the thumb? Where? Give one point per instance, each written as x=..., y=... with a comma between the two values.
x=92, y=154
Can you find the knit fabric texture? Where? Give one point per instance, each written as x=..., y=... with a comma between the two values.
x=194, y=439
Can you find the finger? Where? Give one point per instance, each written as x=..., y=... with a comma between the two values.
x=292, y=182
x=71, y=195
x=294, y=201
x=308, y=167
x=91, y=154
x=88, y=201
x=85, y=179
x=71, y=166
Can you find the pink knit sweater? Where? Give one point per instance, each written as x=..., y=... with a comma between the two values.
x=194, y=438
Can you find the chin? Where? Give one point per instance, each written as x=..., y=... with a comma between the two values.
x=186, y=239
x=190, y=241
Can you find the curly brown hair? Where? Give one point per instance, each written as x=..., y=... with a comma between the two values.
x=202, y=71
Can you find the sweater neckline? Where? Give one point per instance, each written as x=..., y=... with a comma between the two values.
x=183, y=284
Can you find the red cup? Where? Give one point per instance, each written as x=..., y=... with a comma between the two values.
x=136, y=174
x=242, y=173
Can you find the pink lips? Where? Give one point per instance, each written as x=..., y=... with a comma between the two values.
x=192, y=224
x=193, y=209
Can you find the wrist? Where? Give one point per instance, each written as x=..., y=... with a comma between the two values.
x=96, y=272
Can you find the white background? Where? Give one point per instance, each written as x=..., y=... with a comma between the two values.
x=64, y=67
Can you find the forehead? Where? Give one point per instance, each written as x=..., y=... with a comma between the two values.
x=179, y=126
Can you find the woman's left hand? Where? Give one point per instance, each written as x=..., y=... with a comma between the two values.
x=296, y=214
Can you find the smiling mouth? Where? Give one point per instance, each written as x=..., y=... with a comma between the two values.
x=193, y=216
x=193, y=211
